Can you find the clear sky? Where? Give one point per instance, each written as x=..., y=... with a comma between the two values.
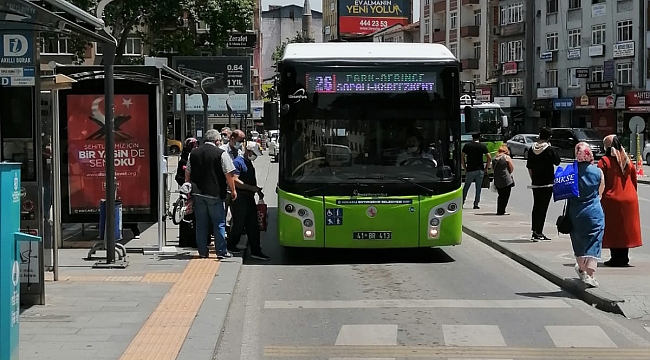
x=318, y=5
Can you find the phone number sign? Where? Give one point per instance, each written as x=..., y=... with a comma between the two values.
x=363, y=25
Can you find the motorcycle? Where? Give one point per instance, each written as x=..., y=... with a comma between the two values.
x=182, y=205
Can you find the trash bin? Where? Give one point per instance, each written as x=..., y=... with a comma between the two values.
x=118, y=219
x=10, y=236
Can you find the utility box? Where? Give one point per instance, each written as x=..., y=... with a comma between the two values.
x=10, y=238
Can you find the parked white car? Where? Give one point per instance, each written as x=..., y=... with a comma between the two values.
x=273, y=144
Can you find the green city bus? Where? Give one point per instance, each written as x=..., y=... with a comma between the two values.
x=370, y=141
x=486, y=118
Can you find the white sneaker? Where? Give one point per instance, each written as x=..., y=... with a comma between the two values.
x=590, y=281
x=578, y=271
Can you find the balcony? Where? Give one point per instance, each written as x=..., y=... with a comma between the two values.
x=469, y=64
x=470, y=2
x=439, y=6
x=513, y=29
x=469, y=31
x=439, y=36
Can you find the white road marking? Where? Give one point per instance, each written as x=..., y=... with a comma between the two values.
x=437, y=303
x=252, y=317
x=641, y=198
x=367, y=335
x=579, y=337
x=472, y=335
x=647, y=328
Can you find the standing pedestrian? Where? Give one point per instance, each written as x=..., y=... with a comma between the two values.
x=586, y=214
x=503, y=179
x=244, y=208
x=620, y=203
x=475, y=170
x=233, y=147
x=210, y=170
x=541, y=169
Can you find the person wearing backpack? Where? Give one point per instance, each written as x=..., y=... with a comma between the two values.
x=541, y=163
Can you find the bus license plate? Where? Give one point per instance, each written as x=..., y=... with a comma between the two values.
x=372, y=235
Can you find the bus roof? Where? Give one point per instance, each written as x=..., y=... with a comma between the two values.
x=367, y=51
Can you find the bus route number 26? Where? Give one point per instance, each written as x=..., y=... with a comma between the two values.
x=374, y=23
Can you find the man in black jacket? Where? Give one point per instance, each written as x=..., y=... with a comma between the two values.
x=210, y=170
x=541, y=163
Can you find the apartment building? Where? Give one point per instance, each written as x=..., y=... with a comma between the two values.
x=399, y=33
x=462, y=26
x=590, y=59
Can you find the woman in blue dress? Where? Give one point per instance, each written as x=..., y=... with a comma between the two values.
x=587, y=217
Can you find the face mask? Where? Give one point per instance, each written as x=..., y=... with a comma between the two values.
x=412, y=149
x=252, y=157
x=238, y=145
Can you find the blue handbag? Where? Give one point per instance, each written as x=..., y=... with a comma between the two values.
x=565, y=185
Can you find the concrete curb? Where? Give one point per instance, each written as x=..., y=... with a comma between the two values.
x=205, y=333
x=595, y=297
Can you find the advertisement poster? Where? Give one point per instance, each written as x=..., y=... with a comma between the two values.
x=86, y=153
x=363, y=17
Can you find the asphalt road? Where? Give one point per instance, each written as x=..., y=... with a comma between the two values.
x=521, y=200
x=463, y=302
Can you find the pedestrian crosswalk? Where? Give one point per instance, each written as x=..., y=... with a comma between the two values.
x=382, y=342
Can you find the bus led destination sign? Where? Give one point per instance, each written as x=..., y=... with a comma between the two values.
x=369, y=82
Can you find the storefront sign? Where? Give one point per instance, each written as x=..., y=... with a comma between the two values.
x=598, y=10
x=241, y=40
x=484, y=95
x=600, y=87
x=548, y=93
x=506, y=101
x=573, y=54
x=582, y=73
x=546, y=56
x=86, y=153
x=596, y=50
x=625, y=49
x=510, y=68
x=606, y=102
x=584, y=102
x=636, y=98
x=608, y=70
x=563, y=104
x=17, y=49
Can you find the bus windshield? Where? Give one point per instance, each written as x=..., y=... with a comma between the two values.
x=372, y=126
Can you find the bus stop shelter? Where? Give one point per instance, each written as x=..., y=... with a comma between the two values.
x=21, y=24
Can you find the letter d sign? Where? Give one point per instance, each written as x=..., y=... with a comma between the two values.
x=15, y=45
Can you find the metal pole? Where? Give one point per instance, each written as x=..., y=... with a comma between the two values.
x=161, y=159
x=109, y=97
x=57, y=228
x=205, y=109
x=183, y=114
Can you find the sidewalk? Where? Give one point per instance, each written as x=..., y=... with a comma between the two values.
x=622, y=290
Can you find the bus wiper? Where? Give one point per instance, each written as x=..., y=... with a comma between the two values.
x=400, y=178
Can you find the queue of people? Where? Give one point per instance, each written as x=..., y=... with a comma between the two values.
x=605, y=214
x=219, y=175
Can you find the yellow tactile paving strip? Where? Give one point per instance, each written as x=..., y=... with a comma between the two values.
x=163, y=334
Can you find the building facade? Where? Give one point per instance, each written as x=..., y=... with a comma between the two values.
x=280, y=23
x=399, y=33
x=590, y=59
x=462, y=26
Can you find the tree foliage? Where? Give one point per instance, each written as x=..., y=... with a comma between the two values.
x=162, y=27
x=279, y=50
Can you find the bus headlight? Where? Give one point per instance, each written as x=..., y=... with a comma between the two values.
x=309, y=233
x=452, y=207
x=308, y=223
x=433, y=233
x=302, y=212
x=289, y=208
x=440, y=211
x=434, y=222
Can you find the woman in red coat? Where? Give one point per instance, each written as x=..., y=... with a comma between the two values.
x=620, y=203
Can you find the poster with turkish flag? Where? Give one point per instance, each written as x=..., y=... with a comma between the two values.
x=86, y=153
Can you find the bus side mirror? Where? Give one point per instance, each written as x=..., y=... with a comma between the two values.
x=504, y=121
x=469, y=124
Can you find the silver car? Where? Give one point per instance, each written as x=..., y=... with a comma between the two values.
x=520, y=144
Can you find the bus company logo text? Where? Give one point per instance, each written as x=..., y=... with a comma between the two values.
x=357, y=193
x=385, y=7
x=374, y=202
x=298, y=95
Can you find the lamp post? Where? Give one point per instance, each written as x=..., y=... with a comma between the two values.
x=205, y=100
x=230, y=94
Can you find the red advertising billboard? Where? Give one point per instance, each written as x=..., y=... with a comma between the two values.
x=86, y=153
x=363, y=17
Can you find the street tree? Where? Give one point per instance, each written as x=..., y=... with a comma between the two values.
x=279, y=50
x=168, y=24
